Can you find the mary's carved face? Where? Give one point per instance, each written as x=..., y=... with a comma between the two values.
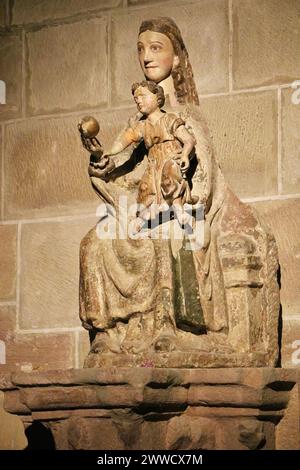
x=156, y=55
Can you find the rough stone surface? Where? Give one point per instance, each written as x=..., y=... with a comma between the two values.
x=244, y=132
x=49, y=273
x=8, y=323
x=142, y=2
x=265, y=34
x=2, y=13
x=215, y=409
x=12, y=435
x=8, y=263
x=204, y=29
x=11, y=73
x=291, y=140
x=35, y=11
x=283, y=218
x=142, y=376
x=288, y=430
x=33, y=351
x=290, y=352
x=41, y=351
x=72, y=75
x=83, y=346
x=49, y=176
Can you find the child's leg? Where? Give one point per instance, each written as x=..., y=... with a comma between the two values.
x=183, y=217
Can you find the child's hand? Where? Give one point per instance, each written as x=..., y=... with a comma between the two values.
x=102, y=168
x=184, y=163
x=92, y=145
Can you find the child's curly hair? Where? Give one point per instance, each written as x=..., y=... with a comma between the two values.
x=153, y=87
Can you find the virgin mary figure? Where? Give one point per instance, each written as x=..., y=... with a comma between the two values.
x=146, y=301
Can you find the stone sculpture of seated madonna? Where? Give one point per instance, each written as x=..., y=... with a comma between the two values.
x=161, y=301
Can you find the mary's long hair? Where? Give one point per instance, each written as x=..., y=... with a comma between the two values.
x=182, y=75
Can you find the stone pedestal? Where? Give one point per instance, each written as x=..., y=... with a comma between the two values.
x=147, y=408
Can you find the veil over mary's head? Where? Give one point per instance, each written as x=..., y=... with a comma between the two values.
x=182, y=75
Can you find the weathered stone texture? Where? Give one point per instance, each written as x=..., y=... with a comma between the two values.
x=204, y=29
x=8, y=269
x=291, y=140
x=147, y=2
x=49, y=273
x=35, y=11
x=244, y=131
x=142, y=2
x=33, y=351
x=2, y=12
x=283, y=218
x=73, y=72
x=11, y=74
x=288, y=430
x=46, y=166
x=45, y=169
x=84, y=346
x=42, y=352
x=241, y=413
x=7, y=323
x=12, y=436
x=264, y=43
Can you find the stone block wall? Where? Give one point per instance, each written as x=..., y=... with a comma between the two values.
x=63, y=59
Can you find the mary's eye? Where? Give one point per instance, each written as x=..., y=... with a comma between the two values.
x=156, y=47
x=140, y=48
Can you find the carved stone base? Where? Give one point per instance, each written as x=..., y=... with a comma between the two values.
x=147, y=408
x=178, y=359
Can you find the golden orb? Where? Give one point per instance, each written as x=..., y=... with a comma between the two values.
x=89, y=126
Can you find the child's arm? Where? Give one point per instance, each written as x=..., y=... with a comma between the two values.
x=127, y=137
x=106, y=164
x=189, y=142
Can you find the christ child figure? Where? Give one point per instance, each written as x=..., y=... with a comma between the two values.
x=170, y=147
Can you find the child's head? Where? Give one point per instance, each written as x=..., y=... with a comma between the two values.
x=148, y=96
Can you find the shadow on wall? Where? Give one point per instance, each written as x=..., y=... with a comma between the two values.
x=39, y=437
x=280, y=325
